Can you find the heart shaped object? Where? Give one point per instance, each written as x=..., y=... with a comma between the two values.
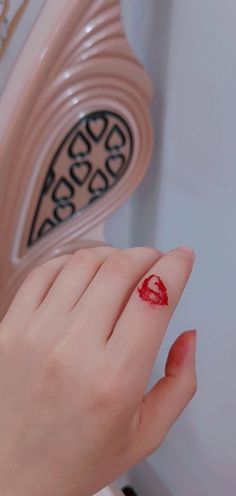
x=154, y=291
x=114, y=164
x=80, y=172
x=97, y=126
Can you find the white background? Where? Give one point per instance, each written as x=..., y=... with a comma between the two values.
x=189, y=197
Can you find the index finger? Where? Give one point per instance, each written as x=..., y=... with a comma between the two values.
x=139, y=332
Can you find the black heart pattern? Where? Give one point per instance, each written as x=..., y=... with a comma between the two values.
x=47, y=226
x=114, y=164
x=115, y=139
x=96, y=127
x=73, y=166
x=63, y=191
x=80, y=146
x=48, y=181
x=80, y=172
x=99, y=182
x=64, y=212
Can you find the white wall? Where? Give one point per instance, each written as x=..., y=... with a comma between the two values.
x=189, y=196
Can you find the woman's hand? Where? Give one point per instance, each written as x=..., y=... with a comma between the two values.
x=77, y=347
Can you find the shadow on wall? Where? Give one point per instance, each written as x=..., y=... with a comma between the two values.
x=147, y=482
x=148, y=28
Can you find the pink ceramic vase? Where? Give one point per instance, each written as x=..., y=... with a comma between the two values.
x=76, y=136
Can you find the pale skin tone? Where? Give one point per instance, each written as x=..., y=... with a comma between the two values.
x=77, y=347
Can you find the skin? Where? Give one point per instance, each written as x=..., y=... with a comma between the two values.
x=77, y=347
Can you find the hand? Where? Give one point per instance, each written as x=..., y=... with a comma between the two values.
x=77, y=347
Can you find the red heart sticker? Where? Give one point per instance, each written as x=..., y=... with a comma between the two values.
x=154, y=291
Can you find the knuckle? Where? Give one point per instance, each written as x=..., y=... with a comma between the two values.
x=186, y=258
x=150, y=251
x=54, y=262
x=190, y=387
x=120, y=265
x=50, y=266
x=85, y=258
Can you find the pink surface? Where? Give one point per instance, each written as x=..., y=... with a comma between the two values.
x=76, y=129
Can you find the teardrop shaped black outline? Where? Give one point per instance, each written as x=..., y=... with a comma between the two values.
x=90, y=132
x=101, y=173
x=32, y=237
x=74, y=177
x=81, y=154
x=70, y=187
x=115, y=129
x=108, y=166
x=46, y=221
x=49, y=180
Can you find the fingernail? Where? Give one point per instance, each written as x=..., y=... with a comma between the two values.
x=189, y=344
x=186, y=249
x=186, y=349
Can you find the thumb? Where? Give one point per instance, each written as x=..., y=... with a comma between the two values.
x=166, y=400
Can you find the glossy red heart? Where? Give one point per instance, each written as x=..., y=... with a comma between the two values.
x=154, y=291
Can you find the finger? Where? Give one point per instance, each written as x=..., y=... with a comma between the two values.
x=33, y=291
x=107, y=294
x=167, y=399
x=75, y=278
x=54, y=318
x=140, y=329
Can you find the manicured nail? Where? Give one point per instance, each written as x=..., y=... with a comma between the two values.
x=192, y=353
x=182, y=352
x=186, y=249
